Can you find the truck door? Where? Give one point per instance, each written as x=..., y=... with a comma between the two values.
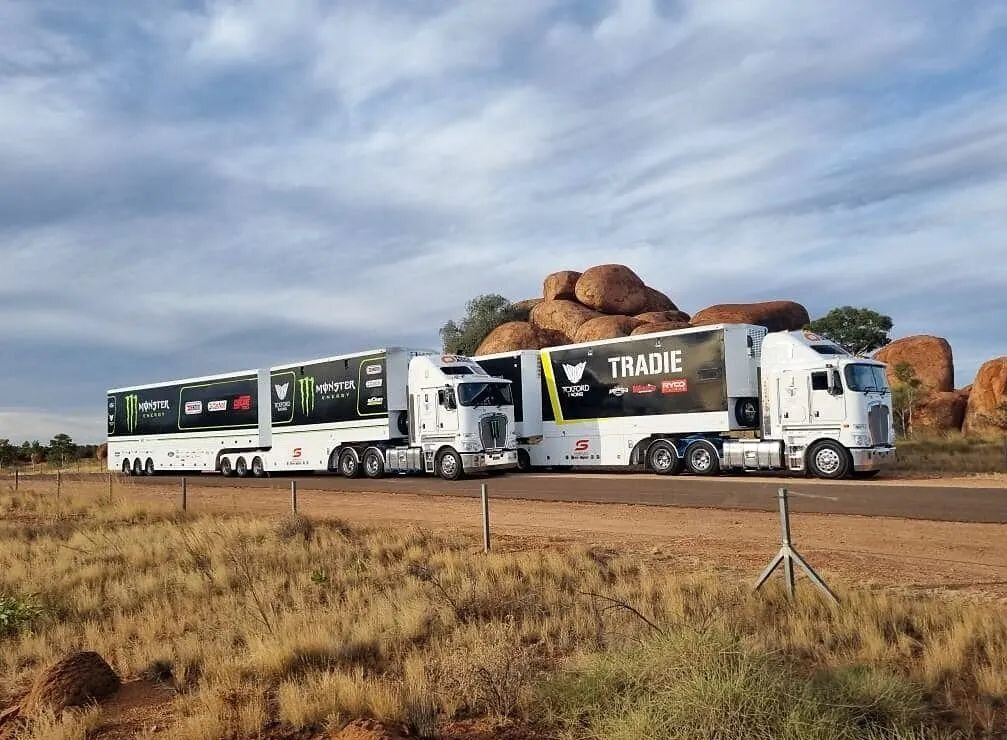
x=794, y=397
x=447, y=411
x=828, y=404
x=427, y=401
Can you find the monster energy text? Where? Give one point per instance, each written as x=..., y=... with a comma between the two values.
x=134, y=407
x=307, y=388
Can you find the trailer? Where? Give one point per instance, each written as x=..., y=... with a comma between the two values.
x=370, y=413
x=702, y=400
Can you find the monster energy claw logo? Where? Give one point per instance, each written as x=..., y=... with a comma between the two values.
x=132, y=412
x=306, y=394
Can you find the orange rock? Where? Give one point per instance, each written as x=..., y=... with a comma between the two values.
x=657, y=301
x=943, y=411
x=660, y=317
x=989, y=394
x=561, y=316
x=774, y=315
x=508, y=337
x=561, y=285
x=929, y=356
x=613, y=289
x=606, y=327
x=663, y=326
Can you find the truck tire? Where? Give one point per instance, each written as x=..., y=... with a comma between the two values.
x=349, y=464
x=225, y=468
x=403, y=423
x=663, y=459
x=137, y=467
x=148, y=467
x=449, y=465
x=701, y=458
x=127, y=467
x=258, y=469
x=241, y=468
x=829, y=460
x=374, y=463
x=523, y=461
x=746, y=412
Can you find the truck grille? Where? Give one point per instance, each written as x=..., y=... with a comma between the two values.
x=879, y=420
x=493, y=431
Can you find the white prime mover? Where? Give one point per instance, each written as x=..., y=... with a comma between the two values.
x=703, y=399
x=383, y=411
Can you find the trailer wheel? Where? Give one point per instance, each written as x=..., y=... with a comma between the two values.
x=148, y=467
x=449, y=465
x=663, y=459
x=828, y=459
x=374, y=463
x=241, y=467
x=523, y=461
x=349, y=465
x=258, y=469
x=137, y=467
x=225, y=468
x=701, y=458
x=127, y=467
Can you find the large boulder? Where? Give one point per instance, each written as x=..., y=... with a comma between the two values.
x=561, y=316
x=524, y=307
x=509, y=337
x=929, y=356
x=989, y=394
x=552, y=338
x=613, y=289
x=774, y=315
x=75, y=681
x=657, y=301
x=606, y=327
x=561, y=285
x=663, y=326
x=943, y=411
x=661, y=317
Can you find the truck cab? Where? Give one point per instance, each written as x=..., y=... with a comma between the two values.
x=832, y=410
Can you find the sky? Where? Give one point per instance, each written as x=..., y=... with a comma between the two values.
x=189, y=188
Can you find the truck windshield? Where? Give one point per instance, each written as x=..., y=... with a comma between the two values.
x=485, y=394
x=866, y=378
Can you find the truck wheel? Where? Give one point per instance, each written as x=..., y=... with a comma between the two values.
x=663, y=459
x=374, y=463
x=225, y=468
x=829, y=460
x=746, y=412
x=148, y=467
x=258, y=469
x=523, y=461
x=449, y=465
x=349, y=465
x=701, y=458
x=137, y=467
x=241, y=467
x=127, y=467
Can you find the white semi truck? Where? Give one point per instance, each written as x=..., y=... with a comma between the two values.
x=370, y=413
x=704, y=399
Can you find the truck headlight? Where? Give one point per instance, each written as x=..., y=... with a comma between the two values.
x=469, y=445
x=861, y=440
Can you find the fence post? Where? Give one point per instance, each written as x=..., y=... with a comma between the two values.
x=110, y=487
x=185, y=494
x=59, y=483
x=484, y=495
x=293, y=496
x=16, y=476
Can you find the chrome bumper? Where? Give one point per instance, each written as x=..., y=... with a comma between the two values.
x=872, y=458
x=480, y=462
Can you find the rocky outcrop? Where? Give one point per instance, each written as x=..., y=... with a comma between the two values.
x=661, y=317
x=943, y=411
x=561, y=285
x=929, y=356
x=663, y=326
x=561, y=316
x=606, y=327
x=774, y=315
x=612, y=289
x=656, y=301
x=75, y=681
x=986, y=405
x=510, y=336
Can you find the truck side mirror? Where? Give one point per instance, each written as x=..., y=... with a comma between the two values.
x=446, y=398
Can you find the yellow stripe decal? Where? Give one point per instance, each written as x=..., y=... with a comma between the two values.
x=550, y=384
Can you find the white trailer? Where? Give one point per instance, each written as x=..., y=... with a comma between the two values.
x=368, y=413
x=703, y=399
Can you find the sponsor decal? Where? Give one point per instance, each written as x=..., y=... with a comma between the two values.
x=653, y=363
x=135, y=408
x=295, y=453
x=193, y=407
x=376, y=401
x=644, y=388
x=308, y=389
x=111, y=414
x=281, y=390
x=376, y=383
x=374, y=369
x=216, y=406
x=618, y=391
x=582, y=445
x=575, y=372
x=812, y=337
x=306, y=394
x=243, y=403
x=281, y=404
x=680, y=385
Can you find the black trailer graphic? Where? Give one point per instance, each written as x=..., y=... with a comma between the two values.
x=200, y=406
x=349, y=389
x=676, y=374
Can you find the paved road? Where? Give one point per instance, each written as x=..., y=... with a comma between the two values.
x=911, y=501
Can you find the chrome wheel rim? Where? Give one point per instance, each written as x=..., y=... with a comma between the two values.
x=372, y=465
x=348, y=465
x=662, y=459
x=449, y=466
x=701, y=459
x=827, y=460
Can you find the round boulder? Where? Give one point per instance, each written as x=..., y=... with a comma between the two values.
x=657, y=301
x=561, y=285
x=661, y=317
x=552, y=338
x=943, y=411
x=986, y=409
x=613, y=289
x=606, y=327
x=523, y=308
x=564, y=317
x=509, y=337
x=774, y=315
x=929, y=356
x=75, y=681
x=662, y=326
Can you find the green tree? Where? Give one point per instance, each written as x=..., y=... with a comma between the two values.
x=859, y=330
x=483, y=314
x=62, y=449
x=907, y=390
x=8, y=453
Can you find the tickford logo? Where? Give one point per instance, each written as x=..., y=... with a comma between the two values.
x=134, y=407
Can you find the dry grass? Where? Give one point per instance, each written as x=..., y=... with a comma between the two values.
x=312, y=623
x=952, y=454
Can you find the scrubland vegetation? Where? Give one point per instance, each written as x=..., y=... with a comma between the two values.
x=280, y=625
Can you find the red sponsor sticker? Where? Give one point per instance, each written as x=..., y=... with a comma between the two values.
x=582, y=445
x=242, y=403
x=675, y=386
x=644, y=388
x=295, y=453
